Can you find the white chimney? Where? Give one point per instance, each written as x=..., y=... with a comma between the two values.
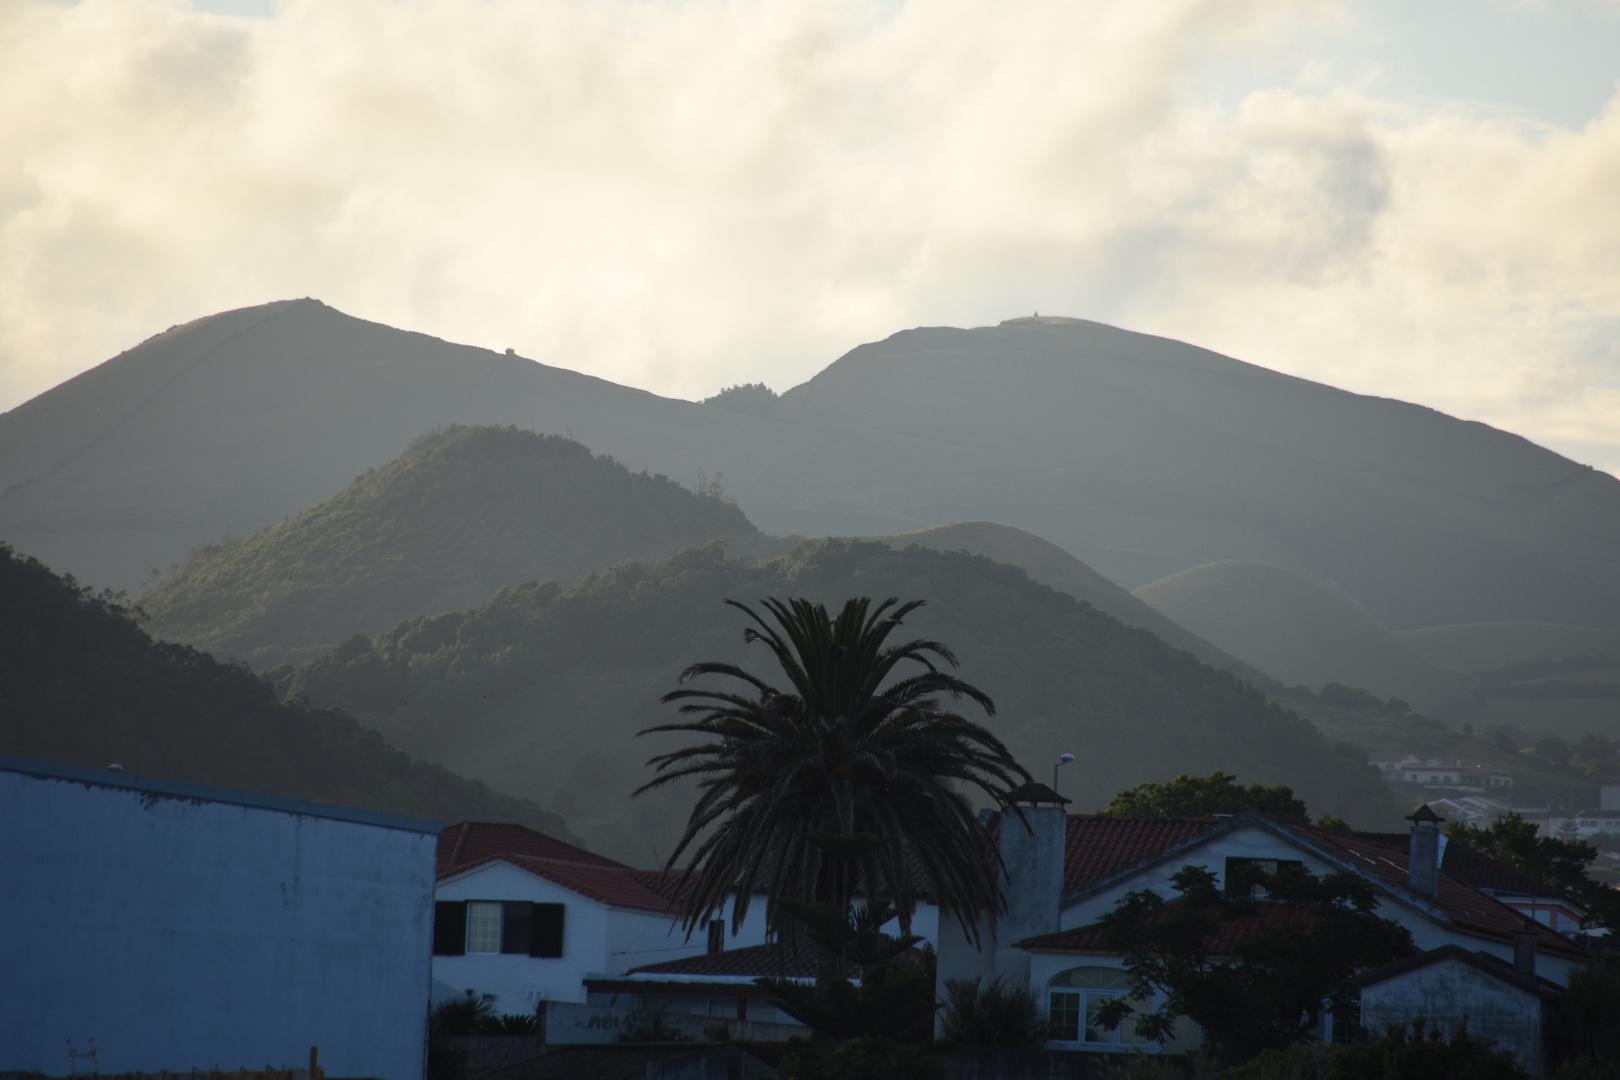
x=1423, y=852
x=1032, y=857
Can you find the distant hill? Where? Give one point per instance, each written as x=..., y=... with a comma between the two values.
x=461, y=513
x=1051, y=565
x=1300, y=633
x=1139, y=455
x=1479, y=646
x=81, y=683
x=539, y=692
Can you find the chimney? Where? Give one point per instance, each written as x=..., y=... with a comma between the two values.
x=1423, y=852
x=1032, y=856
x=1524, y=951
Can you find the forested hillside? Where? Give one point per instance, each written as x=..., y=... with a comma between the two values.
x=537, y=690
x=460, y=514
x=81, y=683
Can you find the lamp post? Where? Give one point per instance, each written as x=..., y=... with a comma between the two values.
x=1062, y=761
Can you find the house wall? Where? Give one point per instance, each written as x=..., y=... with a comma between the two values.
x=1450, y=993
x=597, y=940
x=181, y=929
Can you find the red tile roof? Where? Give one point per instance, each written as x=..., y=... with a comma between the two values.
x=1096, y=846
x=1469, y=909
x=473, y=841
x=1473, y=868
x=472, y=844
x=1225, y=942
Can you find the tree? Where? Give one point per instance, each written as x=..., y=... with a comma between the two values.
x=1559, y=864
x=1253, y=974
x=837, y=780
x=1203, y=796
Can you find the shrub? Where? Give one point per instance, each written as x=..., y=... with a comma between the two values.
x=1422, y=1055
x=1001, y=1014
x=862, y=1059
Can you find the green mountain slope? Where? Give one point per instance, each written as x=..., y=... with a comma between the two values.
x=1050, y=565
x=1141, y=456
x=540, y=692
x=462, y=513
x=81, y=683
x=1300, y=633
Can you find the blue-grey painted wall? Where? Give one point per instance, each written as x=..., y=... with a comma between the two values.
x=1449, y=993
x=186, y=927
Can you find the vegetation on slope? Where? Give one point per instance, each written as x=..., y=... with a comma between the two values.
x=1049, y=564
x=539, y=691
x=84, y=685
x=1296, y=631
x=461, y=513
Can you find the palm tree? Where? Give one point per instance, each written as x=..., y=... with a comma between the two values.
x=837, y=780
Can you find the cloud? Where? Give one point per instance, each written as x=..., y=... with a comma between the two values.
x=683, y=195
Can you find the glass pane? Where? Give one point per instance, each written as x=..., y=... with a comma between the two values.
x=1093, y=978
x=483, y=928
x=1063, y=1017
x=1095, y=1032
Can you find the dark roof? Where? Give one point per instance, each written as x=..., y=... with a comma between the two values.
x=1494, y=966
x=472, y=844
x=1224, y=943
x=781, y=961
x=151, y=788
x=1036, y=793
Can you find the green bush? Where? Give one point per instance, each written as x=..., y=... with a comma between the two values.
x=1423, y=1055
x=862, y=1059
x=1001, y=1014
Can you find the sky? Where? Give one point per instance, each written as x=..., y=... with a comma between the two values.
x=1414, y=200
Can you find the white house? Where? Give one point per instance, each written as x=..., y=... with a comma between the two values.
x=1064, y=872
x=180, y=926
x=522, y=917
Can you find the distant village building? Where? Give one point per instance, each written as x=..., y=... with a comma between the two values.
x=184, y=927
x=1450, y=774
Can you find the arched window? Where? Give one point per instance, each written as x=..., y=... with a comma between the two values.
x=1075, y=996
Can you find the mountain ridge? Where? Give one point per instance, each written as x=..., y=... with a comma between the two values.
x=1141, y=456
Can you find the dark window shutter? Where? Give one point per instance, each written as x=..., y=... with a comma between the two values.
x=515, y=919
x=717, y=936
x=450, y=928
x=546, y=930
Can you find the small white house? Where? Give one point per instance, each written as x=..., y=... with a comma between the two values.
x=181, y=927
x=523, y=918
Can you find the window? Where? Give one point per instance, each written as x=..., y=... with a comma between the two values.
x=1081, y=993
x=1064, y=1015
x=512, y=927
x=717, y=936
x=1246, y=877
x=483, y=927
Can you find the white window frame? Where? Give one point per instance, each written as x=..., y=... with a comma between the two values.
x=480, y=906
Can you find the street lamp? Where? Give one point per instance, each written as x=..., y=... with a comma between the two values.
x=1062, y=761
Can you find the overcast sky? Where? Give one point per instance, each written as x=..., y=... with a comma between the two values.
x=1414, y=199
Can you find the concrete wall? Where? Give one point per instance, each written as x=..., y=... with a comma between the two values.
x=184, y=927
x=1447, y=991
